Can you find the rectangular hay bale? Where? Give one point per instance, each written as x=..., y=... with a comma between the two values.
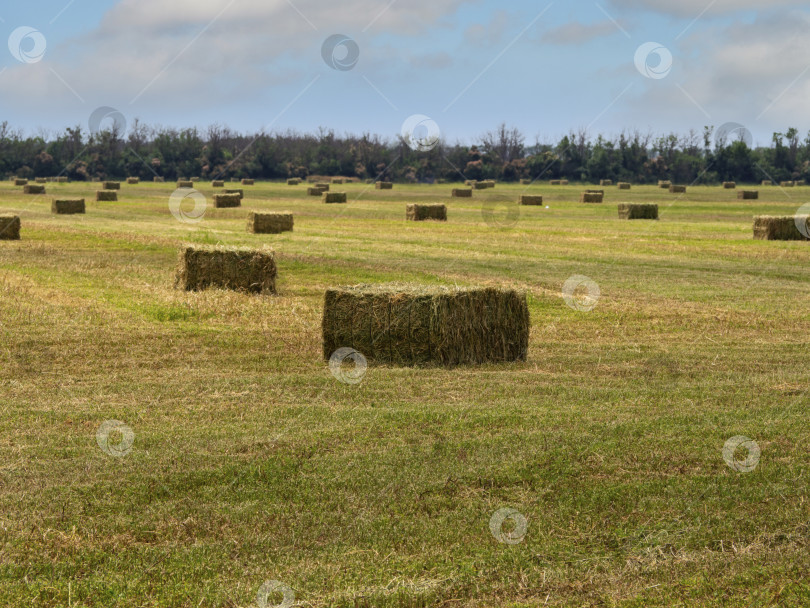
x=787, y=184
x=638, y=211
x=218, y=183
x=784, y=228
x=729, y=185
x=384, y=185
x=20, y=182
x=767, y=182
x=591, y=197
x=605, y=182
x=41, y=180
x=334, y=197
x=237, y=268
x=238, y=191
x=314, y=191
x=556, y=182
x=323, y=186
x=106, y=195
x=664, y=184
x=9, y=227
x=62, y=179
x=419, y=212
x=462, y=193
x=133, y=180
x=248, y=182
x=185, y=183
x=748, y=195
x=34, y=189
x=67, y=206
x=227, y=200
x=269, y=222
x=293, y=181
x=530, y=199
x=677, y=189
x=112, y=185
x=624, y=185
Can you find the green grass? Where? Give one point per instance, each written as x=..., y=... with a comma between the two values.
x=252, y=463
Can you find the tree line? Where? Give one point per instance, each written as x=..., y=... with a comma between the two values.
x=217, y=152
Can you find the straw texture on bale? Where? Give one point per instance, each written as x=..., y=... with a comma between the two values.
x=638, y=211
x=112, y=185
x=106, y=195
x=222, y=201
x=237, y=268
x=218, y=183
x=238, y=191
x=787, y=184
x=384, y=185
x=133, y=180
x=34, y=189
x=531, y=199
x=67, y=206
x=748, y=195
x=293, y=181
x=767, y=182
x=480, y=186
x=314, y=191
x=20, y=182
x=591, y=197
x=623, y=185
x=729, y=185
x=785, y=228
x=185, y=183
x=338, y=180
x=490, y=183
x=413, y=325
x=269, y=223
x=41, y=180
x=248, y=182
x=9, y=227
x=664, y=184
x=461, y=193
x=334, y=197
x=677, y=189
x=605, y=182
x=419, y=212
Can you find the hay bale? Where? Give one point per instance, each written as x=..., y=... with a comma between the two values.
x=413, y=325
x=314, y=191
x=67, y=206
x=238, y=268
x=223, y=201
x=323, y=186
x=729, y=185
x=62, y=179
x=470, y=182
x=677, y=189
x=218, y=183
x=556, y=182
x=591, y=197
x=40, y=180
x=158, y=180
x=195, y=179
x=800, y=182
x=34, y=189
x=563, y=182
x=294, y=181
x=490, y=183
x=785, y=228
x=269, y=223
x=9, y=227
x=530, y=199
x=638, y=211
x=623, y=185
x=20, y=182
x=106, y=195
x=338, y=180
x=480, y=186
x=787, y=184
x=767, y=182
x=461, y=193
x=133, y=180
x=418, y=212
x=112, y=185
x=334, y=197
x=605, y=182
x=748, y=195
x=664, y=184
x=384, y=185
x=248, y=182
x=185, y=183
x=238, y=191
x=525, y=182
x=602, y=192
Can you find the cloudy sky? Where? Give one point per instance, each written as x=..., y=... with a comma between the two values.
x=544, y=67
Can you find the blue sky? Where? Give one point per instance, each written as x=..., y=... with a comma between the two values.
x=543, y=67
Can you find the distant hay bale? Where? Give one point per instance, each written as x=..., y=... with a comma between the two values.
x=638, y=211
x=20, y=182
x=9, y=227
x=470, y=182
x=248, y=182
x=605, y=182
x=591, y=197
x=227, y=200
x=623, y=185
x=62, y=179
x=490, y=183
x=767, y=182
x=530, y=199
x=112, y=185
x=237, y=268
x=133, y=180
x=338, y=180
x=785, y=228
x=158, y=180
x=787, y=184
x=664, y=184
x=556, y=182
x=729, y=185
x=677, y=189
x=419, y=212
x=334, y=197
x=563, y=182
x=195, y=179
x=461, y=193
x=67, y=206
x=480, y=186
x=106, y=195
x=293, y=181
x=525, y=182
x=323, y=186
x=384, y=185
x=269, y=222
x=800, y=182
x=34, y=189
x=416, y=325
x=218, y=183
x=748, y=195
x=41, y=180
x=314, y=192
x=185, y=183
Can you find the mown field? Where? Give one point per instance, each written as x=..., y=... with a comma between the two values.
x=252, y=463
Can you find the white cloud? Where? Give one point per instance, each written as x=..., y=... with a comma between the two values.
x=693, y=8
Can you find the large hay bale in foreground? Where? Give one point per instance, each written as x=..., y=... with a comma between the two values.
x=384, y=185
x=20, y=182
x=605, y=182
x=767, y=182
x=237, y=268
x=218, y=183
x=412, y=325
x=419, y=212
x=133, y=180
x=106, y=195
x=112, y=185
x=67, y=206
x=34, y=189
x=269, y=223
x=9, y=227
x=638, y=211
x=623, y=185
x=185, y=183
x=248, y=182
x=677, y=189
x=461, y=193
x=729, y=185
x=224, y=201
x=785, y=228
x=591, y=197
x=334, y=197
x=748, y=195
x=530, y=199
